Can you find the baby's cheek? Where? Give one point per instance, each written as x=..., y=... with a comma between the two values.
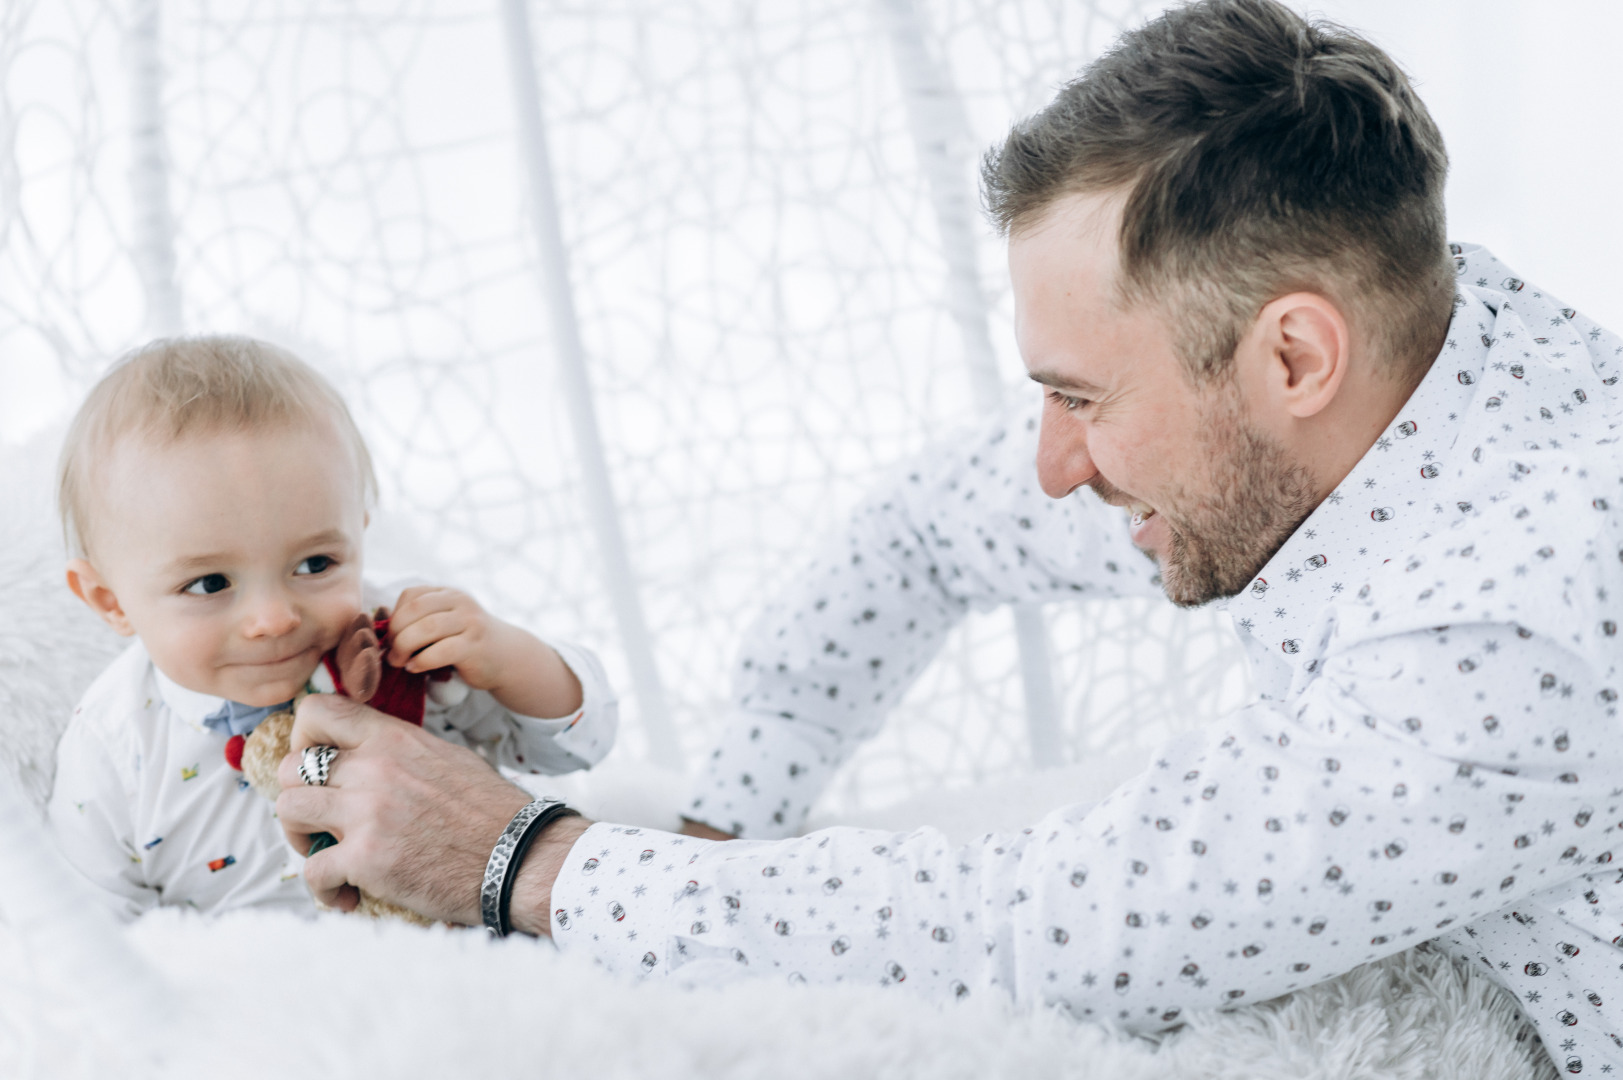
x=336, y=609
x=188, y=654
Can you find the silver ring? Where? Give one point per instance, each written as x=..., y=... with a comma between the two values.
x=316, y=764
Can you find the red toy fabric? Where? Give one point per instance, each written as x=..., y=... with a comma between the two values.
x=400, y=693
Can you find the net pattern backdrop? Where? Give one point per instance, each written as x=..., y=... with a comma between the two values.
x=633, y=300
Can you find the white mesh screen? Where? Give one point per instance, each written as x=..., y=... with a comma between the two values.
x=758, y=272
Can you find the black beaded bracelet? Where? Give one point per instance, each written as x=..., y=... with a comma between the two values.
x=496, y=893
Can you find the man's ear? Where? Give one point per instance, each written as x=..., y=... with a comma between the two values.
x=87, y=584
x=1306, y=344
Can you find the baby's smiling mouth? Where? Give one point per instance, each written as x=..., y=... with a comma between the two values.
x=279, y=661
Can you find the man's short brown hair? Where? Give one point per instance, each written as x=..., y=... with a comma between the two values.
x=1260, y=154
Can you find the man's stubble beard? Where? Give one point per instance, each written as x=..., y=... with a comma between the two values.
x=1255, y=498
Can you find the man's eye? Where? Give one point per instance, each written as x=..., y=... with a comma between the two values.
x=316, y=564
x=208, y=585
x=1066, y=401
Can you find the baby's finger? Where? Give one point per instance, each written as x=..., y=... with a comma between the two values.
x=421, y=634
x=447, y=652
x=420, y=600
x=409, y=596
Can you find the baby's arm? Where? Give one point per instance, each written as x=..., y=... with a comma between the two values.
x=539, y=708
x=434, y=627
x=89, y=815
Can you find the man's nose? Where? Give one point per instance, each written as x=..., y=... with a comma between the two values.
x=1063, y=461
x=271, y=614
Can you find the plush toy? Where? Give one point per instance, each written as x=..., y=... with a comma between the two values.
x=357, y=669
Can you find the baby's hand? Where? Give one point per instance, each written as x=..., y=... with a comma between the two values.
x=434, y=627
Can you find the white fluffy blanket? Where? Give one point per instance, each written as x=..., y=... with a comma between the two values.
x=257, y=994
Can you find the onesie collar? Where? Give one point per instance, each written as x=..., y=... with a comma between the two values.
x=189, y=705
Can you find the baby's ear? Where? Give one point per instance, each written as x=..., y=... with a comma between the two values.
x=87, y=585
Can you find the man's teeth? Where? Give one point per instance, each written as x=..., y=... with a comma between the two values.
x=1140, y=516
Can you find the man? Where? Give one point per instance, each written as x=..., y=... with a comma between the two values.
x=1226, y=244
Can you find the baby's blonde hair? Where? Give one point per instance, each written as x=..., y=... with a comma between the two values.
x=175, y=387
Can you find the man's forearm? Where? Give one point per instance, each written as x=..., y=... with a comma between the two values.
x=966, y=527
x=531, y=910
x=1262, y=854
x=703, y=831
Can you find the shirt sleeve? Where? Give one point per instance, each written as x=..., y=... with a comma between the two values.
x=963, y=527
x=89, y=816
x=531, y=744
x=1289, y=842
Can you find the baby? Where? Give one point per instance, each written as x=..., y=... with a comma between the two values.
x=214, y=492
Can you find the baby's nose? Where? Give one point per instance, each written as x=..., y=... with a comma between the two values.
x=271, y=616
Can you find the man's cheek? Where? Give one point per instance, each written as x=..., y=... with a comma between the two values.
x=1118, y=466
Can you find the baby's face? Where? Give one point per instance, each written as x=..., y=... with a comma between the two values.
x=236, y=557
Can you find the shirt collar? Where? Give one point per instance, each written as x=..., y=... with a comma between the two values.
x=1335, y=550
x=188, y=705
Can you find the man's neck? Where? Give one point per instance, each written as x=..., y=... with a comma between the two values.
x=1365, y=409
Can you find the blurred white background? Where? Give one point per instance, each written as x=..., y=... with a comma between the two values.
x=780, y=280
x=1528, y=97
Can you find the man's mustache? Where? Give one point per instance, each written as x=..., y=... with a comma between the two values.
x=1108, y=493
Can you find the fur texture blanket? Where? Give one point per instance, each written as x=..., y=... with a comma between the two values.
x=258, y=994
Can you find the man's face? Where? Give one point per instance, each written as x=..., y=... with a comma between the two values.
x=1212, y=497
x=236, y=557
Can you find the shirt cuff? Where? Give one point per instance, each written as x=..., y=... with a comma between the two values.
x=589, y=731
x=615, y=895
x=762, y=777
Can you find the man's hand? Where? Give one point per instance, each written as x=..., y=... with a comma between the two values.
x=434, y=627
x=415, y=816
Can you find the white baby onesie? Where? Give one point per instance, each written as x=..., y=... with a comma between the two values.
x=147, y=807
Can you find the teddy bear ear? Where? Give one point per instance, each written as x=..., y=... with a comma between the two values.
x=360, y=660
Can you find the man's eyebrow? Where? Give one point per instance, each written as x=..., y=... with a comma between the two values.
x=1065, y=382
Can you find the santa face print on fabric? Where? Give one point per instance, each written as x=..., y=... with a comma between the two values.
x=235, y=556
x=1210, y=493
x=1433, y=754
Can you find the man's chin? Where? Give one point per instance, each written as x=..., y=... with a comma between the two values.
x=1171, y=580
x=1178, y=591
x=1188, y=584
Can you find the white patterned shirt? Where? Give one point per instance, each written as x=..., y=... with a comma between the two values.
x=1435, y=751
x=147, y=808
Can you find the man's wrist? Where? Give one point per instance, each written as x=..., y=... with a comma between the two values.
x=692, y=827
x=531, y=911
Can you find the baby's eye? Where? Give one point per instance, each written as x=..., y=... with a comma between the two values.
x=316, y=564
x=208, y=585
